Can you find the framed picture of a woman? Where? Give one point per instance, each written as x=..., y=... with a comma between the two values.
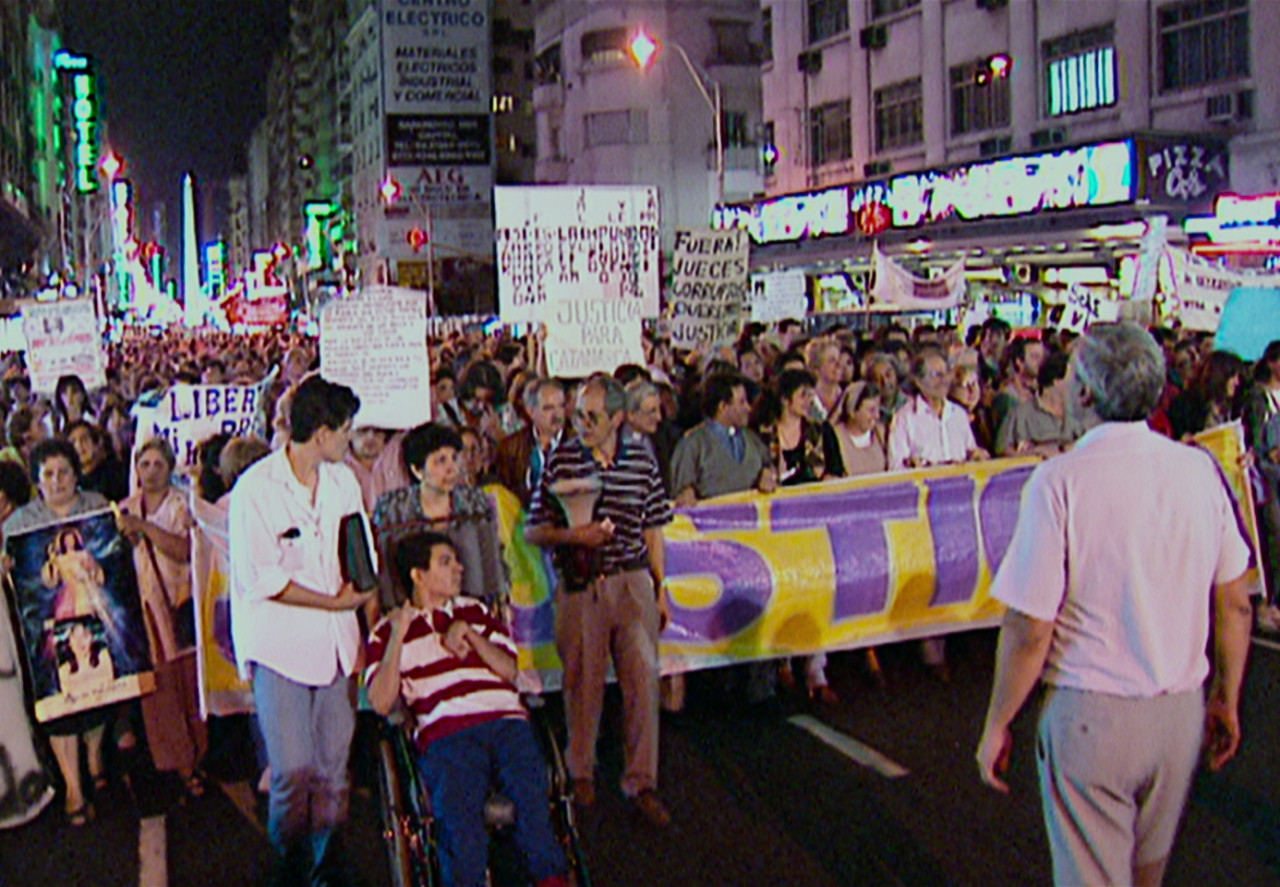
x=81, y=618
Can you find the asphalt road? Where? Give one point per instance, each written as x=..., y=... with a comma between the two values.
x=756, y=797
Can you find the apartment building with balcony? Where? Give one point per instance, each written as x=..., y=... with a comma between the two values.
x=603, y=119
x=906, y=104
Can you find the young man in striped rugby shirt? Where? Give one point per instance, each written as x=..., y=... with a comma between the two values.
x=454, y=665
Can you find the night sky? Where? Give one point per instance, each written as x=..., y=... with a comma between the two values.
x=183, y=84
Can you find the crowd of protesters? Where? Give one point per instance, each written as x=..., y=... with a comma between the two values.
x=813, y=407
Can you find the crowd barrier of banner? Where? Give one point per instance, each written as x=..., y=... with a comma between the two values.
x=833, y=566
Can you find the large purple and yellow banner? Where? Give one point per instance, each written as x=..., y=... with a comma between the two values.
x=832, y=566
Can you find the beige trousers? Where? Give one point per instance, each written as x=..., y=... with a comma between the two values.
x=614, y=620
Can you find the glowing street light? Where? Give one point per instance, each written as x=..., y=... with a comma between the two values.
x=111, y=165
x=644, y=49
x=390, y=191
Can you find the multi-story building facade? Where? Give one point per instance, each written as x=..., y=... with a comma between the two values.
x=603, y=119
x=308, y=153
x=909, y=105
x=21, y=227
x=515, y=129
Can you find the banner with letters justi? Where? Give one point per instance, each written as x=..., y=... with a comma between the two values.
x=838, y=565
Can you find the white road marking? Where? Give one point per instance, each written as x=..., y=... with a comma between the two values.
x=241, y=796
x=1263, y=642
x=849, y=747
x=153, y=864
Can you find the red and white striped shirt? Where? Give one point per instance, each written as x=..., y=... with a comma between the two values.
x=446, y=694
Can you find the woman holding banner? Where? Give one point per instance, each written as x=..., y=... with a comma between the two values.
x=158, y=522
x=25, y=787
x=55, y=468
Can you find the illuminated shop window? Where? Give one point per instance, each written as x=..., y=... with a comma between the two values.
x=1080, y=71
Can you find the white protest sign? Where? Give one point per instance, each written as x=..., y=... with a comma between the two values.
x=586, y=336
x=63, y=340
x=1201, y=289
x=586, y=243
x=1084, y=308
x=778, y=296
x=376, y=343
x=709, y=286
x=188, y=415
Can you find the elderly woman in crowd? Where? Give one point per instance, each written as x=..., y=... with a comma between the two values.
x=156, y=519
x=859, y=431
x=55, y=469
x=438, y=500
x=966, y=391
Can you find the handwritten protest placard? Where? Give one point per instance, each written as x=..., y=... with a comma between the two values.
x=709, y=286
x=187, y=415
x=778, y=296
x=586, y=336
x=376, y=343
x=63, y=340
x=588, y=243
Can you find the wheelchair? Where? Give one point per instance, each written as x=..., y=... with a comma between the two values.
x=408, y=825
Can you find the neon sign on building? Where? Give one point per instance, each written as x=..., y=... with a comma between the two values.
x=84, y=113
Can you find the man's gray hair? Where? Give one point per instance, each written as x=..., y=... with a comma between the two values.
x=1121, y=365
x=638, y=392
x=615, y=396
x=534, y=387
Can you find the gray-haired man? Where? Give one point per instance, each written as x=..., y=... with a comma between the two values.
x=1122, y=548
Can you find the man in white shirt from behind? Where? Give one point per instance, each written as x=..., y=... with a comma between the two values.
x=294, y=624
x=1122, y=549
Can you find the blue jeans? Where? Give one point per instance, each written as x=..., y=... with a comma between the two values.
x=307, y=731
x=458, y=771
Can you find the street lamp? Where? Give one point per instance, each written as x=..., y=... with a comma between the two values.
x=644, y=51
x=417, y=237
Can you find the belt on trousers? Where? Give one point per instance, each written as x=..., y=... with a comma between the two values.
x=641, y=563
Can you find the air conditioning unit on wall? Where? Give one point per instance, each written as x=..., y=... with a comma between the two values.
x=809, y=62
x=874, y=37
x=1229, y=107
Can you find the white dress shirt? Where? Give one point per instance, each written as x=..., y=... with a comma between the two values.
x=278, y=533
x=918, y=433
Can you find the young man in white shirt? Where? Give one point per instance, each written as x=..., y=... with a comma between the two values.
x=294, y=624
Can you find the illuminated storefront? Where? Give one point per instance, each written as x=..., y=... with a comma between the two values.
x=1023, y=223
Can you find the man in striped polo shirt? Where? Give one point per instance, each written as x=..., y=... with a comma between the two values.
x=610, y=597
x=455, y=667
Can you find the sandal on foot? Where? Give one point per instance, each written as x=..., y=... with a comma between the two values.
x=194, y=785
x=81, y=816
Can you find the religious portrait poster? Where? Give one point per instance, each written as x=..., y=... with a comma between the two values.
x=80, y=614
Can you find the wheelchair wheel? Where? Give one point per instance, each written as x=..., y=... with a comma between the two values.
x=562, y=811
x=404, y=829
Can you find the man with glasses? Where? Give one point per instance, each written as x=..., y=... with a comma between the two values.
x=929, y=429
x=294, y=624
x=609, y=602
